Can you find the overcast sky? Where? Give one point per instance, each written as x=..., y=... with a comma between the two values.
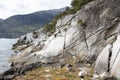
x=13, y=7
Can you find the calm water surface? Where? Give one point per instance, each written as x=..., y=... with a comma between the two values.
x=5, y=52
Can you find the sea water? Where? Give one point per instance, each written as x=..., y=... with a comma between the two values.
x=5, y=52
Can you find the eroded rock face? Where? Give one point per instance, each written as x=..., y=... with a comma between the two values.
x=113, y=60
x=87, y=33
x=103, y=59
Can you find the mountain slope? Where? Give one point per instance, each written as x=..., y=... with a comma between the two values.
x=1, y=20
x=18, y=25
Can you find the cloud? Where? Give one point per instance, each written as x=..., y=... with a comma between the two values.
x=13, y=7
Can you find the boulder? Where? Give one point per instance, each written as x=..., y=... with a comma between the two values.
x=115, y=59
x=83, y=72
x=103, y=61
x=9, y=77
x=101, y=64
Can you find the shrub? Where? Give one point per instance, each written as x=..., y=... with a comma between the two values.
x=50, y=28
x=77, y=4
x=82, y=23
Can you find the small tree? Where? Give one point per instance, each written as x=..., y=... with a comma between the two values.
x=77, y=4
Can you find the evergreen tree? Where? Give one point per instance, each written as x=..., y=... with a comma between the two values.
x=76, y=4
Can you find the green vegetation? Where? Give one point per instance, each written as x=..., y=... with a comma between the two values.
x=49, y=74
x=65, y=29
x=81, y=22
x=50, y=27
x=77, y=4
x=18, y=25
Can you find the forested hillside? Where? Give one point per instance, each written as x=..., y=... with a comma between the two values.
x=18, y=25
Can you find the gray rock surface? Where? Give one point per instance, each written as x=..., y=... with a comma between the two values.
x=80, y=43
x=103, y=59
x=115, y=59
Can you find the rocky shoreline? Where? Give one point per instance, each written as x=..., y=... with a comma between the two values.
x=88, y=39
x=18, y=70
x=83, y=72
